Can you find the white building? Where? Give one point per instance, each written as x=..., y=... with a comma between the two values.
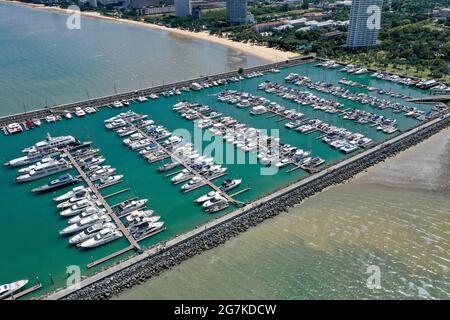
x=363, y=28
x=183, y=8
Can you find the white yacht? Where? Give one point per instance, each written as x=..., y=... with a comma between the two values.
x=144, y=228
x=116, y=124
x=90, y=232
x=106, y=235
x=10, y=288
x=73, y=200
x=77, y=208
x=191, y=184
x=34, y=166
x=75, y=192
x=51, y=142
x=229, y=184
x=130, y=206
x=142, y=99
x=184, y=174
x=84, y=224
x=32, y=157
x=45, y=170
x=258, y=110
x=104, y=182
x=79, y=112
x=117, y=104
x=213, y=201
x=196, y=87
x=138, y=214
x=68, y=115
x=102, y=173
x=207, y=196
x=86, y=213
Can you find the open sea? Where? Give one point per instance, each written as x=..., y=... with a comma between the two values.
x=321, y=249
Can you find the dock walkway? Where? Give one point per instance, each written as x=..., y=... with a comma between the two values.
x=100, y=198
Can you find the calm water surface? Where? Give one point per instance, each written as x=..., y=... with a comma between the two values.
x=44, y=63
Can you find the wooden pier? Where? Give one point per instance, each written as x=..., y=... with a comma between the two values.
x=105, y=204
x=186, y=166
x=240, y=191
x=109, y=257
x=116, y=193
x=24, y=292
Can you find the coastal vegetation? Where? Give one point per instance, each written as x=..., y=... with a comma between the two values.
x=411, y=42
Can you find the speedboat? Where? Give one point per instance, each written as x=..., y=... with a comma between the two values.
x=105, y=235
x=207, y=196
x=85, y=223
x=8, y=289
x=229, y=184
x=50, y=118
x=183, y=175
x=130, y=206
x=90, y=232
x=14, y=128
x=117, y=104
x=77, y=208
x=68, y=115
x=62, y=181
x=75, y=192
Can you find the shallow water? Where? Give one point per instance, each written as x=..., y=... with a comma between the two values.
x=322, y=248
x=42, y=63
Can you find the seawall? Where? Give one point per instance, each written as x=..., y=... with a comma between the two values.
x=107, y=100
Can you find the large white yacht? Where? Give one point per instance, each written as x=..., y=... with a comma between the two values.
x=85, y=223
x=77, y=208
x=10, y=288
x=75, y=192
x=104, y=236
x=90, y=232
x=51, y=142
x=32, y=157
x=44, y=170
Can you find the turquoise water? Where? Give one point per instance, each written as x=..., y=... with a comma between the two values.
x=30, y=243
x=42, y=63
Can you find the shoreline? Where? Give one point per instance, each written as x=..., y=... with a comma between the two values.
x=266, y=53
x=154, y=261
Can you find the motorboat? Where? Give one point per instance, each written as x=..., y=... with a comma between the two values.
x=108, y=181
x=217, y=207
x=129, y=206
x=138, y=214
x=85, y=223
x=105, y=235
x=102, y=173
x=207, y=197
x=62, y=181
x=91, y=161
x=9, y=289
x=229, y=184
x=213, y=201
x=79, y=112
x=193, y=183
x=45, y=170
x=146, y=227
x=13, y=128
x=75, y=192
x=78, y=207
x=73, y=200
x=183, y=175
x=86, y=213
x=167, y=166
x=90, y=232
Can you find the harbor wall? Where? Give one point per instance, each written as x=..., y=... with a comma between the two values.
x=107, y=100
x=155, y=260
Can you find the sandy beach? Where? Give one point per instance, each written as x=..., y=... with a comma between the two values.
x=269, y=54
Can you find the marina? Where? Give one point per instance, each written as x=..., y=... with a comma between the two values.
x=144, y=181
